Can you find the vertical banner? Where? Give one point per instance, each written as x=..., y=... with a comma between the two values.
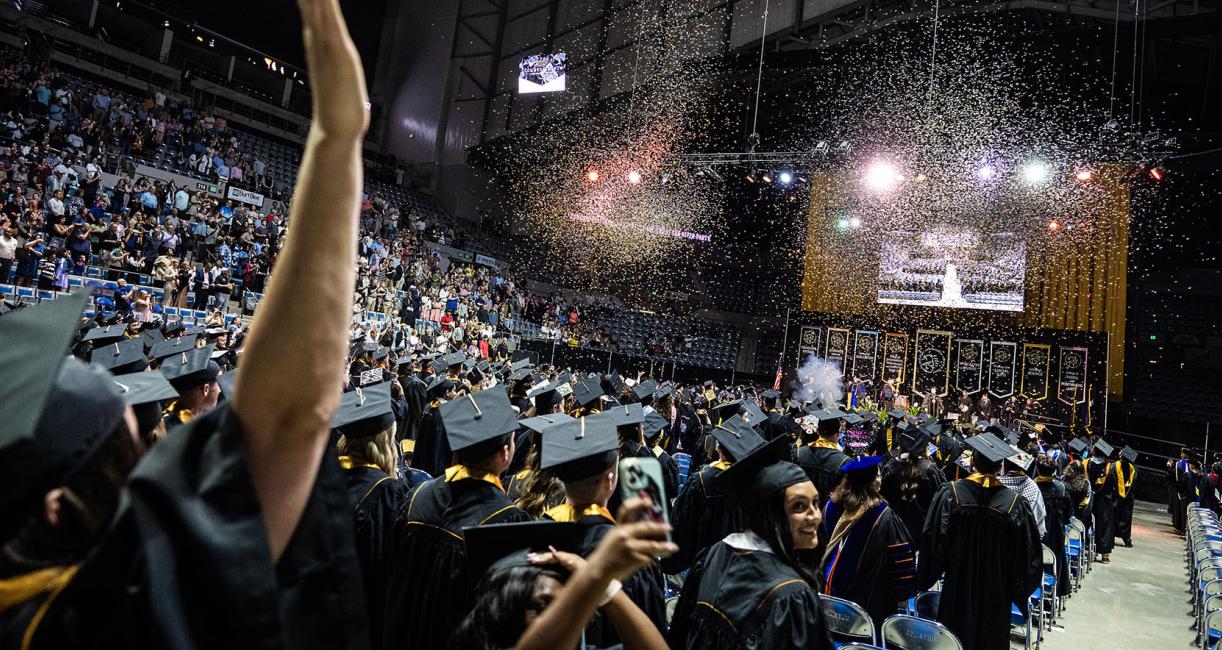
x=1036, y=357
x=1003, y=361
x=931, y=364
x=837, y=347
x=969, y=366
x=895, y=357
x=808, y=342
x=865, y=354
x=1071, y=375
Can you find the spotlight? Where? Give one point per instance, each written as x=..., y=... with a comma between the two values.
x=881, y=176
x=592, y=175
x=986, y=172
x=785, y=177
x=1156, y=173
x=750, y=177
x=1054, y=225
x=855, y=222
x=767, y=177
x=1084, y=175
x=1035, y=173
x=843, y=224
x=634, y=177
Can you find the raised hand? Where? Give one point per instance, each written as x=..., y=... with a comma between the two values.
x=337, y=79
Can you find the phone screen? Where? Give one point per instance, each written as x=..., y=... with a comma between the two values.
x=642, y=478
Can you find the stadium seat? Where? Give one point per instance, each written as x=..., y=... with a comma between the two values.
x=847, y=622
x=903, y=632
x=926, y=605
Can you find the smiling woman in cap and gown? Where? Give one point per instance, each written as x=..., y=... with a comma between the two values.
x=749, y=590
x=869, y=557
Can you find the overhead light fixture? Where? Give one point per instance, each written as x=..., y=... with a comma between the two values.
x=882, y=176
x=1035, y=173
x=785, y=177
x=634, y=177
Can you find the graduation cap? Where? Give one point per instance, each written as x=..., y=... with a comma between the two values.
x=662, y=393
x=759, y=474
x=172, y=346
x=1129, y=454
x=752, y=413
x=988, y=446
x=727, y=410
x=438, y=364
x=898, y=414
x=1021, y=459
x=454, y=359
x=151, y=337
x=194, y=331
x=580, y=448
x=227, y=381
x=497, y=547
x=860, y=464
x=587, y=391
x=104, y=335
x=439, y=386
x=736, y=437
x=145, y=392
x=120, y=358
x=57, y=409
x=654, y=422
x=380, y=353
x=522, y=375
x=913, y=440
x=645, y=389
x=364, y=412
x=548, y=395
x=173, y=328
x=520, y=364
x=770, y=394
x=1104, y=449
x=611, y=384
x=477, y=418
x=853, y=418
x=541, y=422
x=625, y=414
x=190, y=368
x=1078, y=446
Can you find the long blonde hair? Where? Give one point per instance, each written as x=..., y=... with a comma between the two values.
x=541, y=489
x=375, y=450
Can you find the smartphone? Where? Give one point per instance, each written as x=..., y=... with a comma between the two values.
x=642, y=477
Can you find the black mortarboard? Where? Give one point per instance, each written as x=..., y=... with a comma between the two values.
x=661, y=393
x=380, y=353
x=121, y=358
x=913, y=440
x=611, y=384
x=476, y=418
x=1129, y=454
x=987, y=445
x=736, y=437
x=897, y=413
x=727, y=410
x=227, y=381
x=580, y=448
x=151, y=337
x=522, y=375
x=626, y=414
x=548, y=395
x=438, y=364
x=57, y=410
x=1078, y=446
x=1020, y=459
x=496, y=547
x=541, y=422
x=645, y=389
x=654, y=422
x=587, y=391
x=524, y=362
x=454, y=359
x=852, y=418
x=104, y=335
x=761, y=473
x=364, y=412
x=770, y=394
x=1104, y=449
x=144, y=387
x=174, y=345
x=752, y=413
x=174, y=327
x=190, y=368
x=194, y=331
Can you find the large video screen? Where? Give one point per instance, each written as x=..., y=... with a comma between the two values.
x=953, y=266
x=542, y=73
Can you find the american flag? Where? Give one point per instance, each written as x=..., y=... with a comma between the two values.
x=776, y=384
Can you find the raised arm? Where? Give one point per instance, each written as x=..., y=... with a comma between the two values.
x=289, y=385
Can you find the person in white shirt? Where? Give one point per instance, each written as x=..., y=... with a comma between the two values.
x=8, y=252
x=55, y=204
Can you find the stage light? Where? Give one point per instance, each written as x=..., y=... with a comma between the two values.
x=785, y=177
x=767, y=177
x=882, y=176
x=751, y=177
x=634, y=177
x=843, y=224
x=592, y=175
x=1035, y=173
x=1054, y=225
x=1156, y=173
x=986, y=172
x=855, y=222
x=1084, y=175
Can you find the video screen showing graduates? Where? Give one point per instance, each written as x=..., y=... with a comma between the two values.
x=960, y=267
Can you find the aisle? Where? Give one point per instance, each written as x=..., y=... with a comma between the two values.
x=1140, y=600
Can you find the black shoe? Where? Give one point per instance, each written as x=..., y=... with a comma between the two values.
x=1128, y=543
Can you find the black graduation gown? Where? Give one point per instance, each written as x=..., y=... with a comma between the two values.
x=1058, y=509
x=986, y=541
x=376, y=500
x=1126, y=473
x=912, y=511
x=1103, y=504
x=875, y=567
x=186, y=564
x=646, y=588
x=428, y=592
x=775, y=426
x=670, y=472
x=417, y=403
x=1185, y=493
x=700, y=518
x=746, y=599
x=432, y=446
x=822, y=465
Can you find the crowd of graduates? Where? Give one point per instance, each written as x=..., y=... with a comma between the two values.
x=291, y=486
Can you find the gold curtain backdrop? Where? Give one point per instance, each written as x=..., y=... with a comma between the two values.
x=1075, y=280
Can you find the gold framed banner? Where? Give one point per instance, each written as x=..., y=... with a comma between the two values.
x=1071, y=375
x=931, y=361
x=895, y=356
x=969, y=365
x=1036, y=361
x=865, y=354
x=1003, y=362
x=837, y=350
x=808, y=342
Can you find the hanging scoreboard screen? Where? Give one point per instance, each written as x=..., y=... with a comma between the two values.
x=542, y=73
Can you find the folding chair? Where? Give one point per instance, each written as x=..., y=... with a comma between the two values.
x=1213, y=629
x=1032, y=634
x=1210, y=589
x=926, y=605
x=903, y=632
x=1049, y=585
x=847, y=622
x=671, y=604
x=1074, y=552
x=860, y=646
x=1212, y=604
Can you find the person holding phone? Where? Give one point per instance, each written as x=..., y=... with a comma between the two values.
x=583, y=454
x=750, y=589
